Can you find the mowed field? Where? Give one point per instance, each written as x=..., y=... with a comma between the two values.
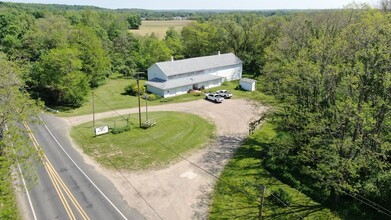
x=160, y=27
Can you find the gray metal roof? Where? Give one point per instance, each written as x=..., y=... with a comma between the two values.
x=175, y=67
x=175, y=83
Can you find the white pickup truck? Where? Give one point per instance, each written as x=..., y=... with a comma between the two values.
x=224, y=93
x=214, y=97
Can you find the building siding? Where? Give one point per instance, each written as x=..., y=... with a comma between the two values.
x=230, y=72
x=155, y=90
x=247, y=84
x=155, y=72
x=177, y=91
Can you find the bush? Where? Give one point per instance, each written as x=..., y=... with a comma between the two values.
x=132, y=89
x=120, y=129
x=284, y=198
x=152, y=97
x=167, y=100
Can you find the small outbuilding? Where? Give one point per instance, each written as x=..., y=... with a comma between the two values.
x=247, y=84
x=177, y=77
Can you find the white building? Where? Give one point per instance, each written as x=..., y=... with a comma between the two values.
x=177, y=77
x=247, y=84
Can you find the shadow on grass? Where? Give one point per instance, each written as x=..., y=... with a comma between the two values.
x=296, y=211
x=237, y=192
x=226, y=148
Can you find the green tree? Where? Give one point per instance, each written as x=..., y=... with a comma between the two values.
x=201, y=39
x=248, y=35
x=123, y=54
x=332, y=72
x=74, y=17
x=15, y=108
x=113, y=23
x=237, y=30
x=134, y=21
x=95, y=61
x=58, y=76
x=174, y=43
x=90, y=18
x=47, y=33
x=13, y=26
x=151, y=50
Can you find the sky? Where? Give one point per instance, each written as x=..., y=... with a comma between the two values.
x=207, y=4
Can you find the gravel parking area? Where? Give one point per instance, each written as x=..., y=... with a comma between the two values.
x=182, y=190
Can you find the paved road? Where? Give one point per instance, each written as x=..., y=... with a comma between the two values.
x=95, y=194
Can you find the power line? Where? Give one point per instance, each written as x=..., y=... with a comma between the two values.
x=115, y=167
x=381, y=207
x=286, y=205
x=370, y=204
x=184, y=158
x=110, y=107
x=199, y=167
x=364, y=200
x=194, y=164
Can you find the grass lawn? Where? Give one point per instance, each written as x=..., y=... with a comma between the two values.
x=160, y=27
x=237, y=194
x=108, y=96
x=143, y=149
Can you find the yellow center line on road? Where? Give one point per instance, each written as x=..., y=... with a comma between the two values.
x=60, y=193
x=57, y=182
x=67, y=191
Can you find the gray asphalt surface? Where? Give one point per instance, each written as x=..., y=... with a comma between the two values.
x=46, y=202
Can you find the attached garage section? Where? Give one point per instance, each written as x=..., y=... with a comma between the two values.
x=182, y=86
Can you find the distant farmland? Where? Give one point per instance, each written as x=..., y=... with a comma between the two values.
x=160, y=27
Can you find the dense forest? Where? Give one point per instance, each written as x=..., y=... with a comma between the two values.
x=330, y=71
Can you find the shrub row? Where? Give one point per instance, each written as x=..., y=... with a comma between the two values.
x=120, y=129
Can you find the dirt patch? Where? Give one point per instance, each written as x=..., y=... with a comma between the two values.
x=182, y=190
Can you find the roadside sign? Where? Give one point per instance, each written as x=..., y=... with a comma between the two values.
x=101, y=130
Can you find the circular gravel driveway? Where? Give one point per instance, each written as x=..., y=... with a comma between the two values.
x=182, y=190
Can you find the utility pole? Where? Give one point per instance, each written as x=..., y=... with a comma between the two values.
x=93, y=110
x=261, y=201
x=139, y=107
x=146, y=105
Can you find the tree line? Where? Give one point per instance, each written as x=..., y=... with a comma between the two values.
x=65, y=52
x=332, y=73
